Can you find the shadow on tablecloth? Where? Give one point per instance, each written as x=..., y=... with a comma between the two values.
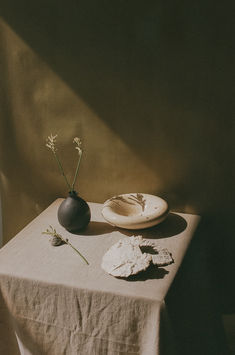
x=173, y=225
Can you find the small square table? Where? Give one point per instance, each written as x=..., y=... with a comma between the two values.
x=53, y=303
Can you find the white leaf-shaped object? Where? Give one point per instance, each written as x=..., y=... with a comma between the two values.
x=131, y=255
x=125, y=258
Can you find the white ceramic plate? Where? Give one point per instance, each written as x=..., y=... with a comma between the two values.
x=135, y=210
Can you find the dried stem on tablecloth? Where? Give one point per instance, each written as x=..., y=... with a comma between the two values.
x=57, y=240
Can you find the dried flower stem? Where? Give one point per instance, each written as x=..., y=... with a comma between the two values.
x=62, y=171
x=51, y=144
x=76, y=172
x=52, y=232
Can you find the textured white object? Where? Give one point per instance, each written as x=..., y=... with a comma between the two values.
x=162, y=258
x=135, y=211
x=126, y=257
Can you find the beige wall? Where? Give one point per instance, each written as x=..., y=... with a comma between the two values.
x=149, y=91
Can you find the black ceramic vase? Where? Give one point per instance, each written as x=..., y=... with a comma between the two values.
x=74, y=213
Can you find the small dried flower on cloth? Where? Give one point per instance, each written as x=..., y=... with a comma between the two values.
x=131, y=255
x=57, y=240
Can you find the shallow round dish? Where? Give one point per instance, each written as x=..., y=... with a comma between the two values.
x=135, y=210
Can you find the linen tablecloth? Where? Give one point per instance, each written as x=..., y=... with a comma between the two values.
x=52, y=302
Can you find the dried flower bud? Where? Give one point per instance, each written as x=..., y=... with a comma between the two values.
x=51, y=140
x=55, y=241
x=78, y=142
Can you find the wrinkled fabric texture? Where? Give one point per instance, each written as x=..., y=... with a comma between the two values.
x=52, y=303
x=59, y=320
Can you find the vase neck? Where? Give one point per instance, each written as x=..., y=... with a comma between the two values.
x=73, y=193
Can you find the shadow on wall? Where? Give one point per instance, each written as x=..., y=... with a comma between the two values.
x=160, y=76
